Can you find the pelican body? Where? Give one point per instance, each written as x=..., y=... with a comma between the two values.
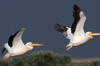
x=15, y=45
x=76, y=32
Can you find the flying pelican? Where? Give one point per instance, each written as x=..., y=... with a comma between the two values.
x=76, y=33
x=15, y=45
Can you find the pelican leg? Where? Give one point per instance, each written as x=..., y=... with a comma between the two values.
x=70, y=46
x=6, y=56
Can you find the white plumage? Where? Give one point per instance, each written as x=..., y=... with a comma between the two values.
x=15, y=45
x=76, y=33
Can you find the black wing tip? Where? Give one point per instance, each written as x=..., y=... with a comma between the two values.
x=56, y=26
x=3, y=50
x=75, y=7
x=60, y=28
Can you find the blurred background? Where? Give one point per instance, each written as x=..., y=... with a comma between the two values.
x=39, y=18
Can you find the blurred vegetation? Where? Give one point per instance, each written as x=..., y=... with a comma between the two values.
x=45, y=58
x=94, y=63
x=40, y=58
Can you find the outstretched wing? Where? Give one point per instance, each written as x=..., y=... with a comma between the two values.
x=79, y=20
x=60, y=28
x=3, y=49
x=66, y=31
x=15, y=39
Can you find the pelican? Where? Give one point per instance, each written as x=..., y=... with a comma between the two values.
x=76, y=33
x=15, y=45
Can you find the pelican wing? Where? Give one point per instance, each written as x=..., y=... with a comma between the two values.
x=6, y=47
x=3, y=49
x=15, y=40
x=79, y=20
x=66, y=31
x=60, y=28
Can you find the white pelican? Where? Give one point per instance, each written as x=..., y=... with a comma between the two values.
x=15, y=45
x=76, y=33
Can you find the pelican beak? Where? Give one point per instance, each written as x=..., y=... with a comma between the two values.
x=36, y=44
x=94, y=34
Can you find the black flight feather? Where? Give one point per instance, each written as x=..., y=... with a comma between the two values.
x=10, y=40
x=76, y=11
x=60, y=28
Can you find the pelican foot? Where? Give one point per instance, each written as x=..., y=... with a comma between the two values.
x=68, y=48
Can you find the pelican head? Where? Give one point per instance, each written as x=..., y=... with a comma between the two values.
x=30, y=45
x=90, y=34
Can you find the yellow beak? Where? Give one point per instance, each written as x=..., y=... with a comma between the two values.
x=36, y=45
x=94, y=34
